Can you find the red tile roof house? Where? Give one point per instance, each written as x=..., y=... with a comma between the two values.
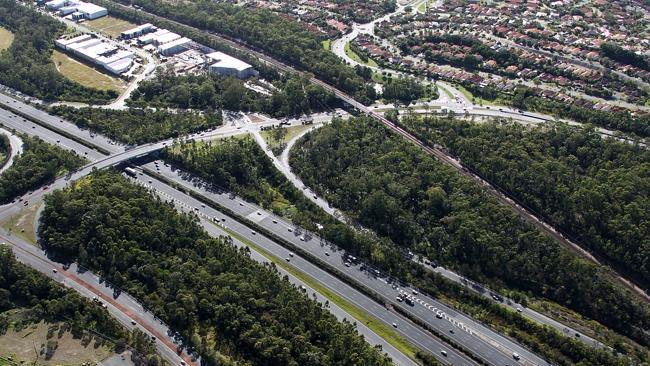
x=338, y=25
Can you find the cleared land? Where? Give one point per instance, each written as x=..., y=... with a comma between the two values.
x=270, y=136
x=110, y=26
x=20, y=345
x=22, y=224
x=84, y=74
x=6, y=38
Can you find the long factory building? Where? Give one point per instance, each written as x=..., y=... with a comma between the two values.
x=77, y=9
x=106, y=54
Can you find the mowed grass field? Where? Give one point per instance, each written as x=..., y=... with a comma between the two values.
x=6, y=38
x=110, y=26
x=85, y=75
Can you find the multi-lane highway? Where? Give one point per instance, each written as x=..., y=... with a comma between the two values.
x=478, y=339
x=107, y=161
x=60, y=125
x=123, y=307
x=12, y=121
x=488, y=346
x=224, y=225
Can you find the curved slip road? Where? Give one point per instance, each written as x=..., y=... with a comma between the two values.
x=15, y=148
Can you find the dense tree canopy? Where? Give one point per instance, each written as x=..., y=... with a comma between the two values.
x=293, y=96
x=596, y=189
x=4, y=148
x=620, y=54
x=392, y=187
x=38, y=298
x=26, y=65
x=39, y=163
x=219, y=299
x=138, y=126
x=22, y=287
x=623, y=121
x=239, y=165
x=403, y=89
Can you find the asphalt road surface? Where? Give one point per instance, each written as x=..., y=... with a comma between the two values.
x=480, y=340
x=12, y=121
x=57, y=123
x=15, y=146
x=405, y=328
x=123, y=307
x=102, y=161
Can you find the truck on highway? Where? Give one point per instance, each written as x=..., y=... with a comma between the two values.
x=130, y=171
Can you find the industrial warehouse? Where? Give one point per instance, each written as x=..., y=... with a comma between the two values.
x=104, y=53
x=188, y=55
x=76, y=9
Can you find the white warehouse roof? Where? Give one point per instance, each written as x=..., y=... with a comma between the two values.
x=84, y=44
x=179, y=42
x=165, y=38
x=119, y=66
x=64, y=42
x=223, y=60
x=139, y=28
x=148, y=38
x=89, y=8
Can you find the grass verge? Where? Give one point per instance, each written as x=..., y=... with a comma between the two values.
x=110, y=26
x=270, y=136
x=22, y=224
x=451, y=96
x=470, y=96
x=383, y=330
x=351, y=54
x=327, y=44
x=22, y=344
x=6, y=38
x=84, y=74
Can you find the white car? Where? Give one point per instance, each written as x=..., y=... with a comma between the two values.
x=515, y=355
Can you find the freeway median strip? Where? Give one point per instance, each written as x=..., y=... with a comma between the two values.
x=317, y=261
x=381, y=329
x=56, y=129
